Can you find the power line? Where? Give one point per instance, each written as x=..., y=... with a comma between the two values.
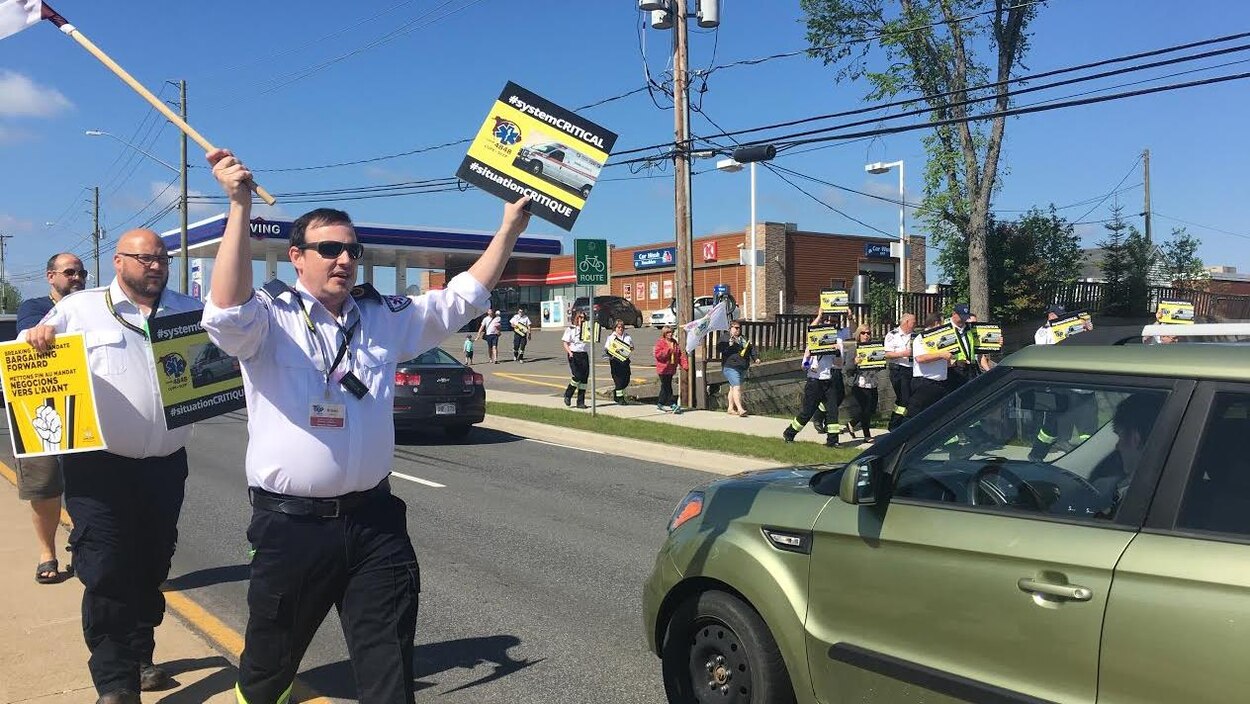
x=1201, y=227
x=1113, y=191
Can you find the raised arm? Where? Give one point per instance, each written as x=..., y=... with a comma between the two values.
x=232, y=270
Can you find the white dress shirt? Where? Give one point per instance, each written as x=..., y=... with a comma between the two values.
x=128, y=399
x=824, y=366
x=935, y=370
x=623, y=338
x=573, y=336
x=898, y=341
x=284, y=368
x=1045, y=335
x=522, y=319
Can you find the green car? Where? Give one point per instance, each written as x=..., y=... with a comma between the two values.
x=1073, y=526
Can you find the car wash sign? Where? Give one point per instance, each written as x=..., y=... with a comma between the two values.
x=655, y=258
x=529, y=146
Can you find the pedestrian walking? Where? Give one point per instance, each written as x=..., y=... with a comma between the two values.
x=39, y=478
x=863, y=387
x=520, y=324
x=491, y=325
x=824, y=385
x=468, y=350
x=319, y=362
x=124, y=502
x=737, y=355
x=929, y=374
x=619, y=346
x=898, y=344
x=575, y=340
x=669, y=357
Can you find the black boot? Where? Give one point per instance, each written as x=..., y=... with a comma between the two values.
x=568, y=396
x=581, y=398
x=789, y=433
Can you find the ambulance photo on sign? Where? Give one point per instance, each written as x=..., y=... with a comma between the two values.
x=558, y=163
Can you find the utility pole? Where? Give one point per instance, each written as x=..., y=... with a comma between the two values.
x=95, y=229
x=182, y=202
x=4, y=282
x=684, y=275
x=1146, y=166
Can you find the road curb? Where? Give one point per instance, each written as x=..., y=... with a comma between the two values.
x=701, y=460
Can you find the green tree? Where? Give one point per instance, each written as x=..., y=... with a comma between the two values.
x=10, y=297
x=882, y=298
x=1127, y=263
x=1179, y=263
x=929, y=48
x=1029, y=259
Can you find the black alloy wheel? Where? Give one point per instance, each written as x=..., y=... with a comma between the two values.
x=717, y=649
x=536, y=168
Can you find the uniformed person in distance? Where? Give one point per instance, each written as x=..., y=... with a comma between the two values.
x=898, y=343
x=318, y=362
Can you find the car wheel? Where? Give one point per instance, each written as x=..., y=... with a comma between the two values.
x=638, y=321
x=585, y=192
x=458, y=432
x=536, y=168
x=716, y=648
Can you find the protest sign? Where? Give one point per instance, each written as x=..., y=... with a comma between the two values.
x=196, y=379
x=50, y=398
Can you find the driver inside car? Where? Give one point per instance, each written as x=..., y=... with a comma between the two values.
x=1134, y=417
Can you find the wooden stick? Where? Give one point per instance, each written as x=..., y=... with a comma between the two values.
x=67, y=28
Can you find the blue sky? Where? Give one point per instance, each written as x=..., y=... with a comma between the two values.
x=434, y=81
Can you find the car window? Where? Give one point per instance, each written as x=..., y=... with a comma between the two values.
x=434, y=356
x=1062, y=449
x=1217, y=498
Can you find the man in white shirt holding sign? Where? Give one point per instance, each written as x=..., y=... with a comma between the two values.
x=125, y=501
x=318, y=362
x=520, y=324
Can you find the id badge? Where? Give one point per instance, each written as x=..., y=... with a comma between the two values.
x=327, y=416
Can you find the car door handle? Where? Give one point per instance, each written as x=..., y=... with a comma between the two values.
x=1071, y=592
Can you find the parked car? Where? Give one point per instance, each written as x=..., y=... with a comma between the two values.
x=702, y=305
x=435, y=389
x=944, y=564
x=561, y=165
x=609, y=309
x=664, y=316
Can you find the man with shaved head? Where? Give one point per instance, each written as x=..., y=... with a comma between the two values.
x=125, y=501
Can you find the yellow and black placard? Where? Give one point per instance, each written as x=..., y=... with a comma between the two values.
x=521, y=329
x=584, y=333
x=940, y=338
x=870, y=355
x=529, y=146
x=823, y=339
x=987, y=337
x=50, y=398
x=1175, y=313
x=619, y=348
x=197, y=380
x=834, y=301
x=1068, y=325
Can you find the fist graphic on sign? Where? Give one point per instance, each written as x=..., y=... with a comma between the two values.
x=48, y=426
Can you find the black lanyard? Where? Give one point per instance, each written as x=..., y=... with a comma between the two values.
x=964, y=345
x=312, y=330
x=108, y=301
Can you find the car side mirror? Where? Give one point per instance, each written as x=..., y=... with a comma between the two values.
x=861, y=480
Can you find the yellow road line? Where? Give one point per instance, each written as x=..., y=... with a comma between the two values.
x=212, y=628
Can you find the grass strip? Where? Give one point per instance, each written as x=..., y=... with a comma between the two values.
x=796, y=453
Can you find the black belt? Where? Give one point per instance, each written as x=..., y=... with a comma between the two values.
x=331, y=507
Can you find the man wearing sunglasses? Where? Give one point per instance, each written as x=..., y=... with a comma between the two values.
x=125, y=501
x=39, y=478
x=319, y=364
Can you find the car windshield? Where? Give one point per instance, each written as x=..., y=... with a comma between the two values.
x=436, y=356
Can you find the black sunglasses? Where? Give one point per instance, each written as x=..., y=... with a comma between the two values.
x=71, y=273
x=331, y=249
x=149, y=259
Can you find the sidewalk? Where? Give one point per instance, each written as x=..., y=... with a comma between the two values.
x=761, y=426
x=42, y=655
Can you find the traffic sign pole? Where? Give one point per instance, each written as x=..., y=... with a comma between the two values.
x=590, y=263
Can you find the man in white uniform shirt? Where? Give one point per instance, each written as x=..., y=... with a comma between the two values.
x=124, y=502
x=929, y=370
x=898, y=351
x=318, y=363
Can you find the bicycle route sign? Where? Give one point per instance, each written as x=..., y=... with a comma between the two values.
x=590, y=257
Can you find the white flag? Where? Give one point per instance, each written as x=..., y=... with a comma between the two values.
x=696, y=330
x=16, y=15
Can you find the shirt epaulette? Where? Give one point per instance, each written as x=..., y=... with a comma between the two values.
x=275, y=288
x=366, y=291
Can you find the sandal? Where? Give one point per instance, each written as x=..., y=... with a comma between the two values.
x=42, y=570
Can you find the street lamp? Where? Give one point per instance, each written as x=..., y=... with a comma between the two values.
x=183, y=259
x=749, y=155
x=879, y=168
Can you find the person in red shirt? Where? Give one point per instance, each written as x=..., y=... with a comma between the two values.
x=668, y=358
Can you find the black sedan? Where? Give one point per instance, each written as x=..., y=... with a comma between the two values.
x=436, y=390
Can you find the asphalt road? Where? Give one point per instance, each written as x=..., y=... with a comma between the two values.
x=546, y=369
x=532, y=560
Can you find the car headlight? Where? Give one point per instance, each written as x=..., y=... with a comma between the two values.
x=690, y=507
